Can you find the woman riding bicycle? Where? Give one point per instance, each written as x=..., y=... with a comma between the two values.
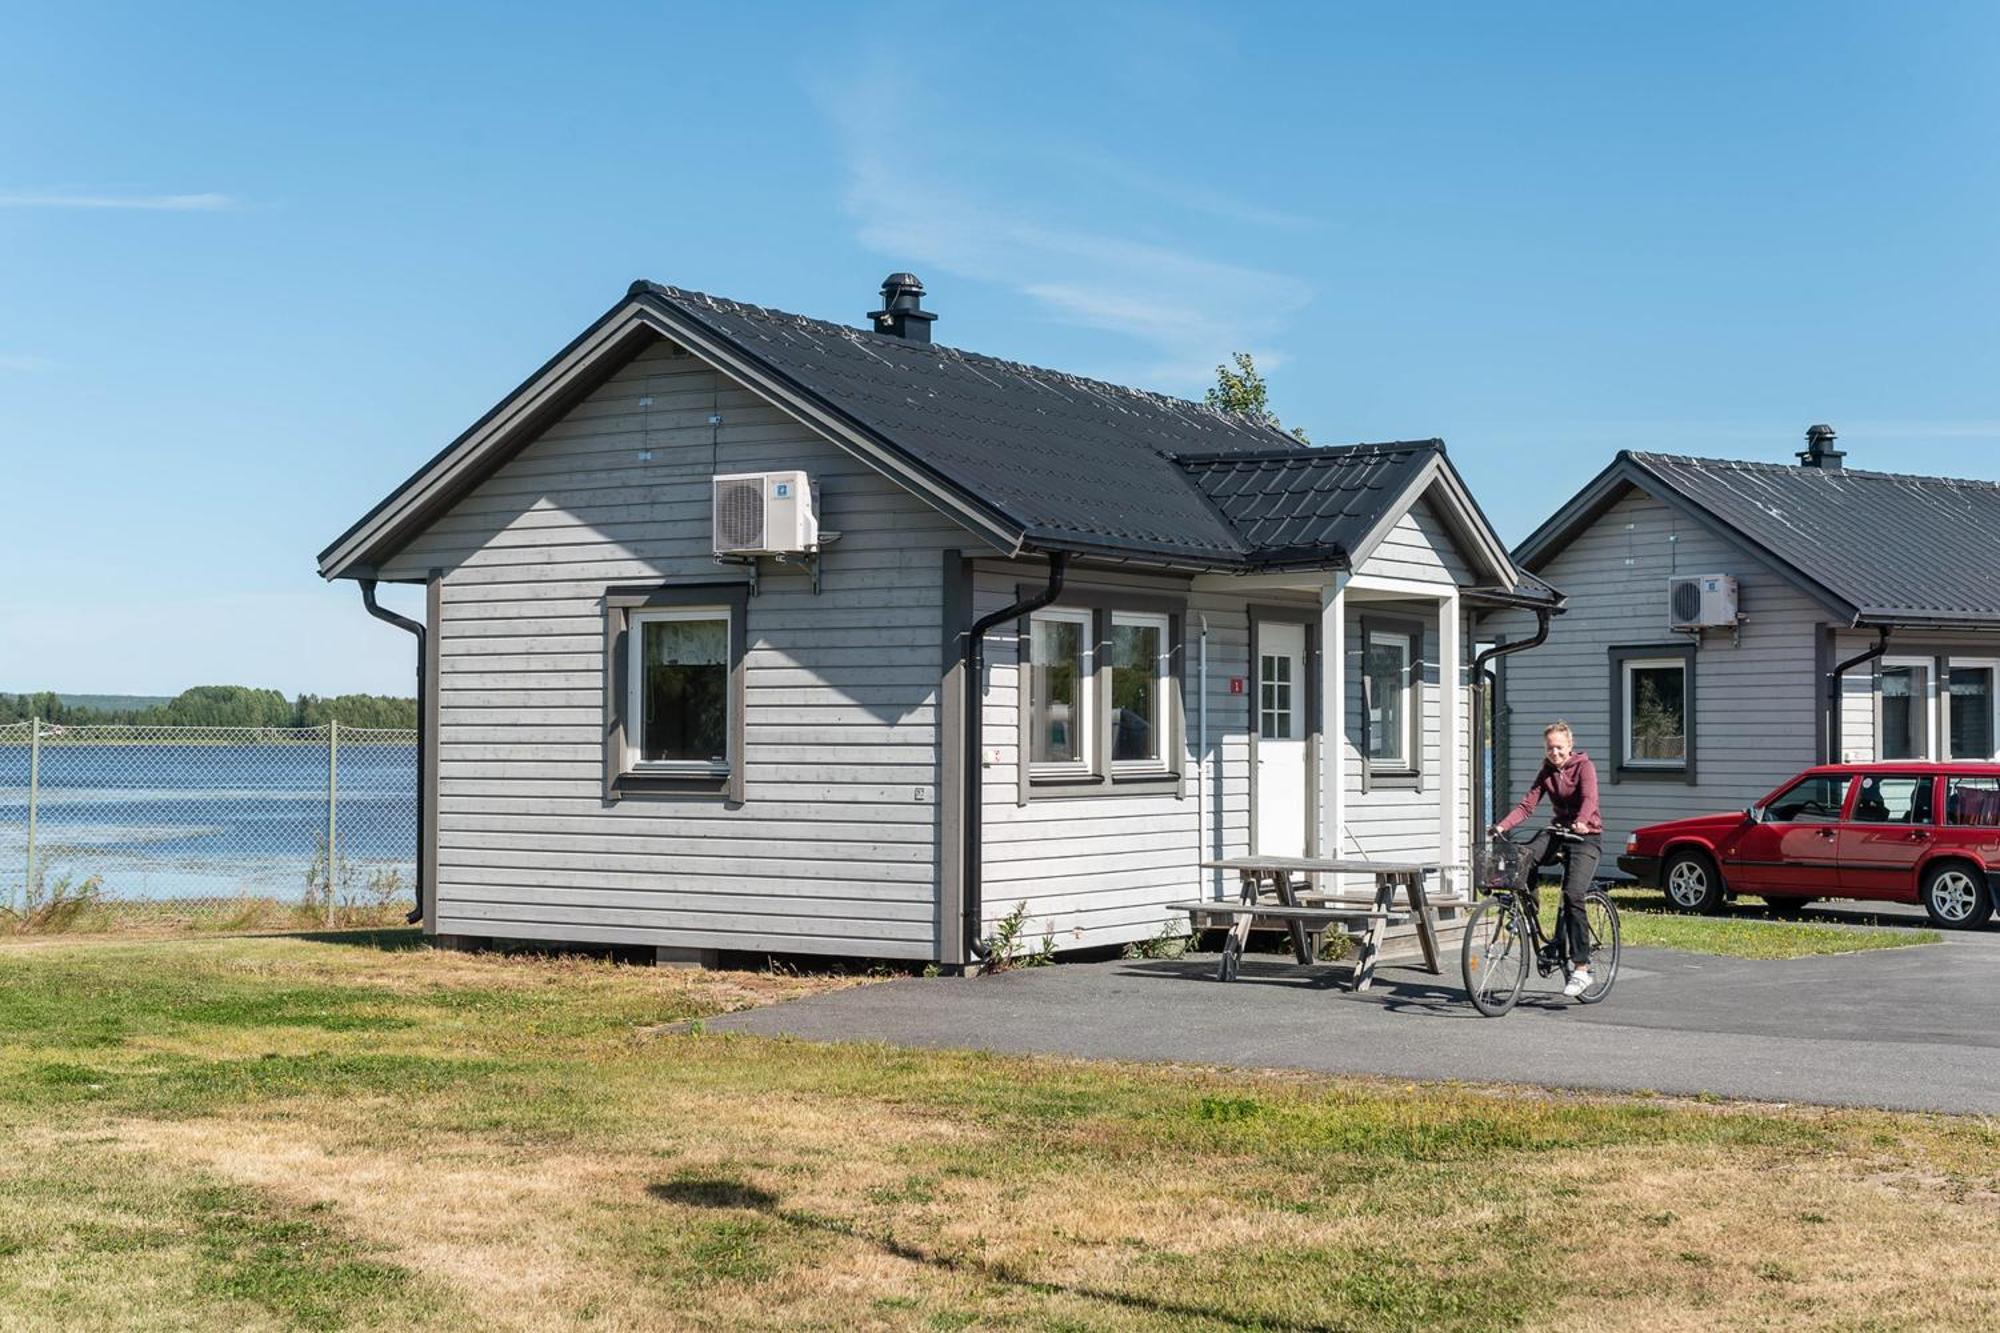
x=1569, y=780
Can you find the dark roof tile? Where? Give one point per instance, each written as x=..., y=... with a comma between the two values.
x=1296, y=503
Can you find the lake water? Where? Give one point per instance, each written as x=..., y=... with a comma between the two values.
x=184, y=820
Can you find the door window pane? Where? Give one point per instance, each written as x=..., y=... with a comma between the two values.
x=1905, y=729
x=1892, y=800
x=1387, y=682
x=1971, y=712
x=1275, y=697
x=1814, y=800
x=684, y=690
x=1056, y=691
x=1974, y=801
x=1656, y=713
x=1137, y=651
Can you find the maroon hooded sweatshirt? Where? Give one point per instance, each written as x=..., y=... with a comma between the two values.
x=1572, y=793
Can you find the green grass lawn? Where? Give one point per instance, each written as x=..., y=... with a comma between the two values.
x=291, y=1133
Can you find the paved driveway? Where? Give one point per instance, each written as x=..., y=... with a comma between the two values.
x=1915, y=1028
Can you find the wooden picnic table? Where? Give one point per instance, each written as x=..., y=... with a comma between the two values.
x=1300, y=909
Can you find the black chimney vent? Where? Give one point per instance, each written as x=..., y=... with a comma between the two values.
x=902, y=314
x=1819, y=451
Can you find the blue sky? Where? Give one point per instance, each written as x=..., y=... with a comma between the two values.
x=258, y=262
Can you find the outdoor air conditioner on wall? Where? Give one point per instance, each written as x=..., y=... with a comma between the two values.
x=764, y=513
x=1701, y=601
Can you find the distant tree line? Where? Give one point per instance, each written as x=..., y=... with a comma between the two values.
x=222, y=706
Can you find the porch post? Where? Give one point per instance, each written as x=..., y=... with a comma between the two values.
x=1451, y=727
x=1333, y=717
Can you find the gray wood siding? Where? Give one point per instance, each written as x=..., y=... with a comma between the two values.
x=1756, y=701
x=1227, y=794
x=1097, y=869
x=1418, y=547
x=834, y=849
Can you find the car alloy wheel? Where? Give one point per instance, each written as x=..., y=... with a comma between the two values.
x=1954, y=897
x=1689, y=885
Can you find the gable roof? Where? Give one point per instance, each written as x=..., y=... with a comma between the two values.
x=1033, y=459
x=1877, y=548
x=1295, y=501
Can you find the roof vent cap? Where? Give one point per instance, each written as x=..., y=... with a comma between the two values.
x=902, y=314
x=1819, y=451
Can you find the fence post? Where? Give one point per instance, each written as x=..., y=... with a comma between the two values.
x=34, y=794
x=332, y=802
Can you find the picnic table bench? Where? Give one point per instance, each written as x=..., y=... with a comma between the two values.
x=1307, y=913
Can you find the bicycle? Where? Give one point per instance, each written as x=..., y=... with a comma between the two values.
x=1503, y=935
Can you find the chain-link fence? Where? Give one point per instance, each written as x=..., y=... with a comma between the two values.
x=230, y=828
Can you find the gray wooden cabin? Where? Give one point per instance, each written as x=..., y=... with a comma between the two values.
x=790, y=771
x=1824, y=614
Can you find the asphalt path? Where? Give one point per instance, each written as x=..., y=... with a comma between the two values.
x=1913, y=1028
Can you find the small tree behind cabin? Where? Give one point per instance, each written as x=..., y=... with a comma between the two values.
x=1243, y=392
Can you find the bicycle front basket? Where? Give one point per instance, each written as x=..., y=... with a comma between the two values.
x=1497, y=865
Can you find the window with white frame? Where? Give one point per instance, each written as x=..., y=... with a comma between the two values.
x=1138, y=689
x=1655, y=712
x=1060, y=666
x=1969, y=709
x=1903, y=695
x=679, y=683
x=1389, y=694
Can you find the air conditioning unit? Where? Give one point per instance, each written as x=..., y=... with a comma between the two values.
x=764, y=513
x=1701, y=601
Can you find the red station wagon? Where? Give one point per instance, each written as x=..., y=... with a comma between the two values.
x=1906, y=832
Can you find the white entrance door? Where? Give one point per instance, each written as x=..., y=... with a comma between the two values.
x=1280, y=797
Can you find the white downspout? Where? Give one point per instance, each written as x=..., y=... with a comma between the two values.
x=1201, y=757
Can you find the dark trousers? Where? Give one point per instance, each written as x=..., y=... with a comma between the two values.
x=1581, y=867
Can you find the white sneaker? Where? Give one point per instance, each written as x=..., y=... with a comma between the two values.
x=1579, y=982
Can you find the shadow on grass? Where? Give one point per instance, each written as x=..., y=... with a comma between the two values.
x=382, y=939
x=721, y=1192
x=715, y=1193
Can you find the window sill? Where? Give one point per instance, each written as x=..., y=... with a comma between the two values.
x=669, y=784
x=1151, y=782
x=1065, y=781
x=1649, y=773
x=1147, y=782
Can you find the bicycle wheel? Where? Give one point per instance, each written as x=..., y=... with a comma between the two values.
x=1601, y=915
x=1493, y=958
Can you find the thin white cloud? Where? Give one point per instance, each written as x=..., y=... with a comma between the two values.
x=929, y=210
x=1191, y=195
x=150, y=203
x=25, y=365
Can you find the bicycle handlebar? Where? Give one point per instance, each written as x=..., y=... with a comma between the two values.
x=1563, y=831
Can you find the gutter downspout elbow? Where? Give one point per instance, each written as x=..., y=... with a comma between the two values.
x=975, y=694
x=1833, y=679
x=383, y=613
